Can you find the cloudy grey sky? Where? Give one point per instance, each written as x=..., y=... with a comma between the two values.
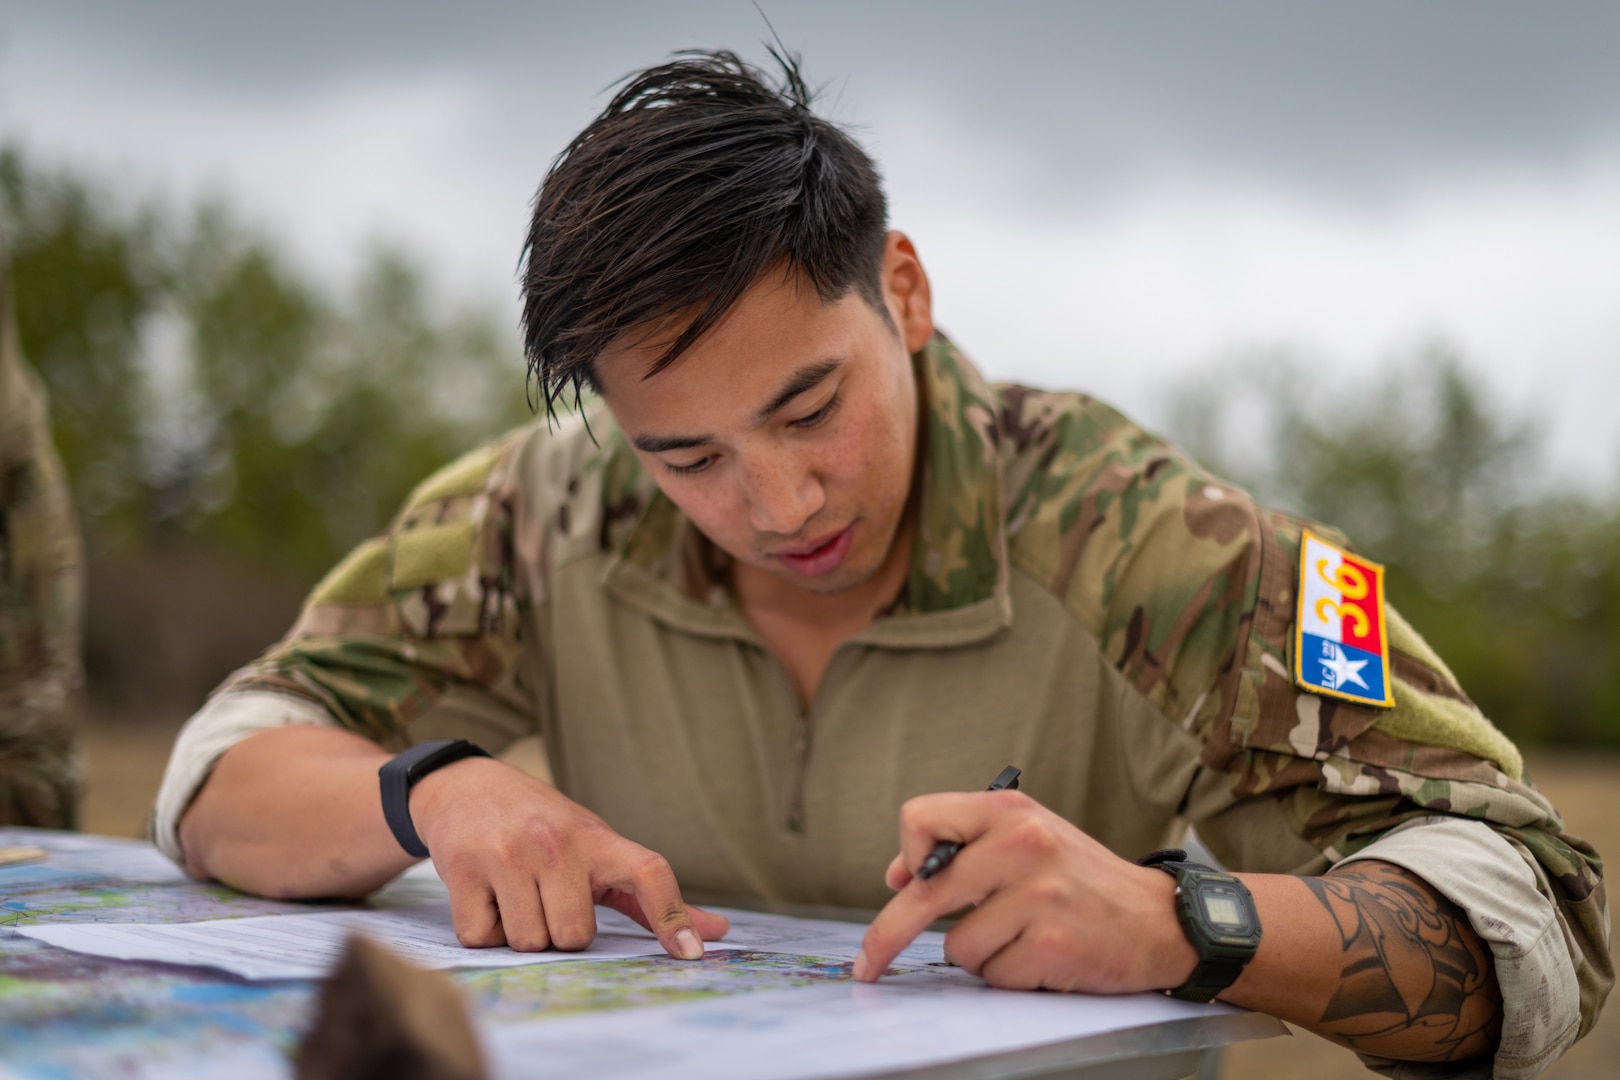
x=1107, y=196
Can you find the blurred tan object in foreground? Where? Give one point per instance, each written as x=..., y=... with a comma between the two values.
x=380, y=1017
x=13, y=856
x=41, y=673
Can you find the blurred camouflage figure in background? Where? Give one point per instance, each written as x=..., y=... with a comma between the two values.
x=41, y=674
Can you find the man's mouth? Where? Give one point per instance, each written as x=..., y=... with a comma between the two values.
x=821, y=556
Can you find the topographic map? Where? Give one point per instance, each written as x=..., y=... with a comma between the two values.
x=774, y=999
x=64, y=1013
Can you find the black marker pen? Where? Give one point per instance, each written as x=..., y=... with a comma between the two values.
x=945, y=850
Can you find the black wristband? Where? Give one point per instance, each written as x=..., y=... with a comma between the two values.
x=403, y=770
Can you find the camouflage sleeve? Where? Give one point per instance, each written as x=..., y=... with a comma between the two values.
x=418, y=633
x=1495, y=885
x=1341, y=776
x=41, y=677
x=1190, y=589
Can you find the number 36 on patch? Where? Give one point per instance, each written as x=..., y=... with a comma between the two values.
x=1341, y=648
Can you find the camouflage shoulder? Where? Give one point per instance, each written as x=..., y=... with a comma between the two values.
x=1155, y=556
x=447, y=534
x=1432, y=725
x=435, y=602
x=503, y=515
x=1344, y=774
x=1341, y=775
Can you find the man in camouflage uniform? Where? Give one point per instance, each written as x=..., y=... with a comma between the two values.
x=805, y=567
x=41, y=681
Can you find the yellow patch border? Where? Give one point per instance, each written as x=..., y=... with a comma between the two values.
x=1299, y=631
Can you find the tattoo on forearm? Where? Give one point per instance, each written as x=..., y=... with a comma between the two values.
x=1414, y=972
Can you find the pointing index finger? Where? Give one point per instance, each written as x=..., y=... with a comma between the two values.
x=908, y=914
x=960, y=818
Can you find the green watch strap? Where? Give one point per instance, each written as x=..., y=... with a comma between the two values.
x=1224, y=947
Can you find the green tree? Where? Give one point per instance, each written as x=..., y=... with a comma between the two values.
x=318, y=416
x=204, y=387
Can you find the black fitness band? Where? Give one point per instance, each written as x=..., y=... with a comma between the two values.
x=403, y=770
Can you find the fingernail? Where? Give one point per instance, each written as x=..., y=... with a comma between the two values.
x=859, y=968
x=688, y=946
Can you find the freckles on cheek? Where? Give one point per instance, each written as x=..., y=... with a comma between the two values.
x=846, y=462
x=893, y=457
x=856, y=480
x=713, y=513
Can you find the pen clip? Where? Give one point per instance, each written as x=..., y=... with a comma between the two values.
x=1006, y=780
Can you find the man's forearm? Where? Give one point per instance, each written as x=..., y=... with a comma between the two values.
x=294, y=812
x=1371, y=956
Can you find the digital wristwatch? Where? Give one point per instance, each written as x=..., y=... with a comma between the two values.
x=1218, y=916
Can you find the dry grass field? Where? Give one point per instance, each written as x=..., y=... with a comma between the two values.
x=125, y=762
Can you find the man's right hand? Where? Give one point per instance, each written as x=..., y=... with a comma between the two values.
x=296, y=812
x=526, y=865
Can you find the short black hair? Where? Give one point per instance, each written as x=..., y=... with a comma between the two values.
x=701, y=175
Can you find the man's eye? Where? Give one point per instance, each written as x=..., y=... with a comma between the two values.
x=687, y=470
x=819, y=416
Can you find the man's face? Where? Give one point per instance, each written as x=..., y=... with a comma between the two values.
x=788, y=432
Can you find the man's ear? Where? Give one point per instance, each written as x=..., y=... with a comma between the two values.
x=907, y=292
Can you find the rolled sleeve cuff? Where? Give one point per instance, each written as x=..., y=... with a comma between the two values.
x=215, y=728
x=1476, y=868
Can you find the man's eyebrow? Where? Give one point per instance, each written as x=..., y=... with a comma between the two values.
x=806, y=378
x=658, y=444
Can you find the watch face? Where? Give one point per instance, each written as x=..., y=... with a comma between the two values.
x=1223, y=909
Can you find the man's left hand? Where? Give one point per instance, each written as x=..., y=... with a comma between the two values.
x=1052, y=907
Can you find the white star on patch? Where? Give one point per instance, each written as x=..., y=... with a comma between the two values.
x=1338, y=669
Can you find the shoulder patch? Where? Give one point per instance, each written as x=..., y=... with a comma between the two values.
x=1341, y=640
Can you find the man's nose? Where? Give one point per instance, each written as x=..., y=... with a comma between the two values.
x=783, y=494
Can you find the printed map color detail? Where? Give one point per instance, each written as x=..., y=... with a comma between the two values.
x=1341, y=648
